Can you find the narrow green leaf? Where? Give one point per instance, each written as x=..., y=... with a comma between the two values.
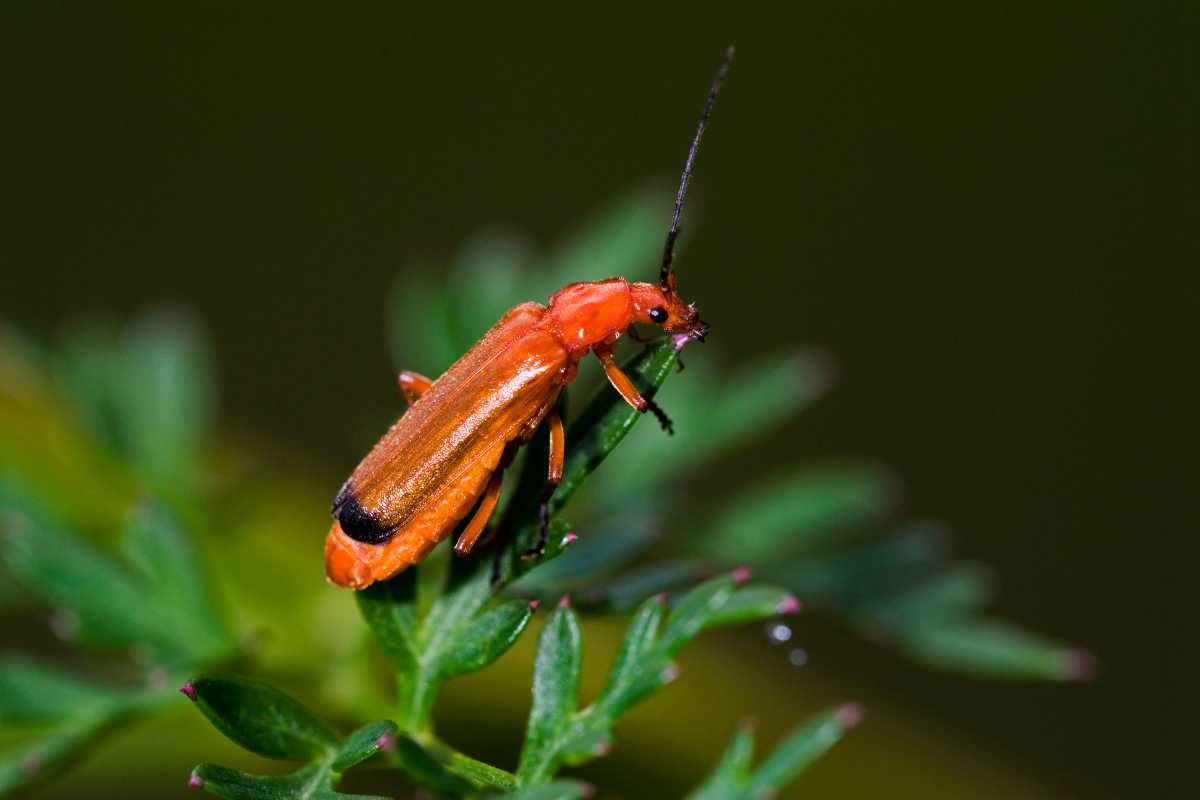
x=32, y=692
x=609, y=544
x=802, y=747
x=555, y=688
x=695, y=611
x=47, y=756
x=632, y=658
x=156, y=545
x=997, y=650
x=389, y=608
x=262, y=719
x=857, y=576
x=558, y=790
x=607, y=418
x=727, y=780
x=437, y=766
x=313, y=782
x=485, y=639
x=163, y=397
x=364, y=743
x=954, y=595
x=632, y=587
x=107, y=604
x=738, y=406
x=799, y=512
x=752, y=603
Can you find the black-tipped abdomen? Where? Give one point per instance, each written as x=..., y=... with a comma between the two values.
x=358, y=523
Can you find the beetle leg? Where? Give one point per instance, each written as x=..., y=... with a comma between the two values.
x=558, y=450
x=491, y=494
x=413, y=385
x=625, y=387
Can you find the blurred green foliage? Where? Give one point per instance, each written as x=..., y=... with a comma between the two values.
x=109, y=472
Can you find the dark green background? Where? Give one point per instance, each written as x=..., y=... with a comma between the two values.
x=986, y=215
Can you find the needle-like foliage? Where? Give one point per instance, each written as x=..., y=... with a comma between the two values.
x=128, y=415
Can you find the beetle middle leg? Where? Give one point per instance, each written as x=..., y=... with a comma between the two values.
x=621, y=382
x=558, y=450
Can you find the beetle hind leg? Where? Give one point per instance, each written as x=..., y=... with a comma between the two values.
x=558, y=449
x=466, y=541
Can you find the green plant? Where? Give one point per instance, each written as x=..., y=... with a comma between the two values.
x=822, y=534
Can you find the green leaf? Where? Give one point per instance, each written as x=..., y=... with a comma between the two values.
x=389, y=608
x=608, y=418
x=756, y=602
x=738, y=406
x=996, y=649
x=164, y=398
x=803, y=746
x=621, y=594
x=155, y=543
x=728, y=779
x=625, y=676
x=558, y=790
x=435, y=764
x=732, y=778
x=47, y=756
x=107, y=604
x=313, y=782
x=31, y=693
x=364, y=743
x=555, y=687
x=262, y=719
x=485, y=639
x=799, y=513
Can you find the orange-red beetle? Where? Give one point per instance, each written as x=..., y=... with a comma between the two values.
x=448, y=452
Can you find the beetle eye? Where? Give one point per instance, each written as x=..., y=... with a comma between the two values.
x=658, y=314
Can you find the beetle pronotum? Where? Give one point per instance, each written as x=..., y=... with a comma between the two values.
x=446, y=455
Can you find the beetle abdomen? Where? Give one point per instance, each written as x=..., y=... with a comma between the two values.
x=356, y=565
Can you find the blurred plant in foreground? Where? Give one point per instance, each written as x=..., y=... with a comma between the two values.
x=127, y=452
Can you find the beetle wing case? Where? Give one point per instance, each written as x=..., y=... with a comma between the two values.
x=432, y=465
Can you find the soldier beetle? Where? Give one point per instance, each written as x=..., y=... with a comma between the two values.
x=447, y=454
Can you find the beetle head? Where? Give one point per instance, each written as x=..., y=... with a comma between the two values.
x=655, y=305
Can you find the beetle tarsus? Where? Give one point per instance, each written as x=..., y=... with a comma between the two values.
x=662, y=417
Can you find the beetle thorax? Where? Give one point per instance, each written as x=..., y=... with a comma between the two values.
x=588, y=314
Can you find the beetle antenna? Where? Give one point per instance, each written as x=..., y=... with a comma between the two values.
x=667, y=275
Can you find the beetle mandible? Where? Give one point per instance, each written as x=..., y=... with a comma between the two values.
x=446, y=455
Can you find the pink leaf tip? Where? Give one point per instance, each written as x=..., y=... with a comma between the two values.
x=661, y=598
x=194, y=782
x=385, y=742
x=790, y=604
x=534, y=603
x=670, y=673
x=31, y=766
x=188, y=690
x=587, y=790
x=850, y=715
x=564, y=601
x=740, y=575
x=571, y=537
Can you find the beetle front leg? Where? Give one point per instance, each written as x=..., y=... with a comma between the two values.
x=413, y=385
x=624, y=386
x=558, y=453
x=466, y=541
